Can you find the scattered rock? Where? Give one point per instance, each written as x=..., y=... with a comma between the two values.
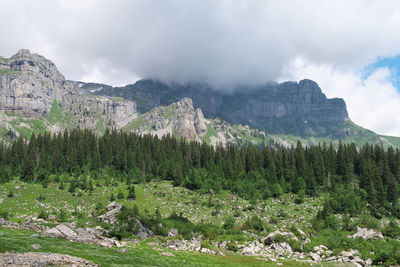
x=122, y=250
x=173, y=232
x=41, y=259
x=314, y=256
x=366, y=233
x=282, y=249
x=35, y=235
x=272, y=236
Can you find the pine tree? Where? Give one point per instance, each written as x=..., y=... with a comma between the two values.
x=132, y=193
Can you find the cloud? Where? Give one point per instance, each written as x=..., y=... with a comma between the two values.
x=221, y=42
x=372, y=101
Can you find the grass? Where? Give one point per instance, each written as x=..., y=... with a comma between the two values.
x=56, y=114
x=9, y=72
x=136, y=255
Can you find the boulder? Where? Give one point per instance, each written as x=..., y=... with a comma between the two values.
x=112, y=210
x=282, y=248
x=366, y=233
x=65, y=230
x=143, y=232
x=273, y=236
x=314, y=256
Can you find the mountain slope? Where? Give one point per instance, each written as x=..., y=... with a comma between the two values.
x=181, y=119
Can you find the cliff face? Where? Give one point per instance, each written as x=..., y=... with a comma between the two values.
x=31, y=88
x=288, y=108
x=29, y=84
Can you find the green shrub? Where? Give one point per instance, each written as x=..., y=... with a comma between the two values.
x=120, y=194
x=232, y=247
x=368, y=221
x=4, y=214
x=392, y=230
x=229, y=223
x=43, y=215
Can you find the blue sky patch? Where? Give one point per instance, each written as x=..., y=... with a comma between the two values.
x=393, y=63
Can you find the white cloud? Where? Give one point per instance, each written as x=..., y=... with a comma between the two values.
x=218, y=41
x=373, y=103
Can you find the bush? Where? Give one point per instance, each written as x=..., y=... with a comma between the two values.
x=43, y=215
x=254, y=223
x=392, y=230
x=41, y=197
x=232, y=247
x=63, y=215
x=120, y=195
x=368, y=221
x=229, y=223
x=4, y=214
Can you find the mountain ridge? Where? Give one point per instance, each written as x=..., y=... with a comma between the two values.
x=36, y=97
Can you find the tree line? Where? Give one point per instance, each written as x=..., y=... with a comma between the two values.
x=369, y=175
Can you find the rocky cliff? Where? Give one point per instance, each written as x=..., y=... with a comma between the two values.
x=34, y=96
x=299, y=109
x=181, y=119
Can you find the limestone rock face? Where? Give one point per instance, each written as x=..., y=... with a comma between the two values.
x=176, y=119
x=199, y=123
x=29, y=84
x=297, y=108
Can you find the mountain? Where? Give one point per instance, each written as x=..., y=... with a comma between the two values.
x=286, y=112
x=181, y=119
x=299, y=109
x=36, y=97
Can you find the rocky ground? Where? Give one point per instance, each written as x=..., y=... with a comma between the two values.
x=39, y=259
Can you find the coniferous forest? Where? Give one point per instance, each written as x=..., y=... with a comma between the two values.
x=356, y=178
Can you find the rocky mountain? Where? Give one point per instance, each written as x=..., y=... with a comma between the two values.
x=35, y=97
x=181, y=119
x=299, y=109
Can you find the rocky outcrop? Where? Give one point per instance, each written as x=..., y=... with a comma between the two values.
x=29, y=84
x=179, y=118
x=112, y=210
x=83, y=235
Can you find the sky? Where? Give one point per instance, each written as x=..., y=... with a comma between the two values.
x=351, y=48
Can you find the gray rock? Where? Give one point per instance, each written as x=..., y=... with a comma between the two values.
x=282, y=249
x=367, y=233
x=109, y=217
x=314, y=256
x=271, y=237
x=173, y=232
x=35, y=235
x=143, y=232
x=36, y=246
x=65, y=230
